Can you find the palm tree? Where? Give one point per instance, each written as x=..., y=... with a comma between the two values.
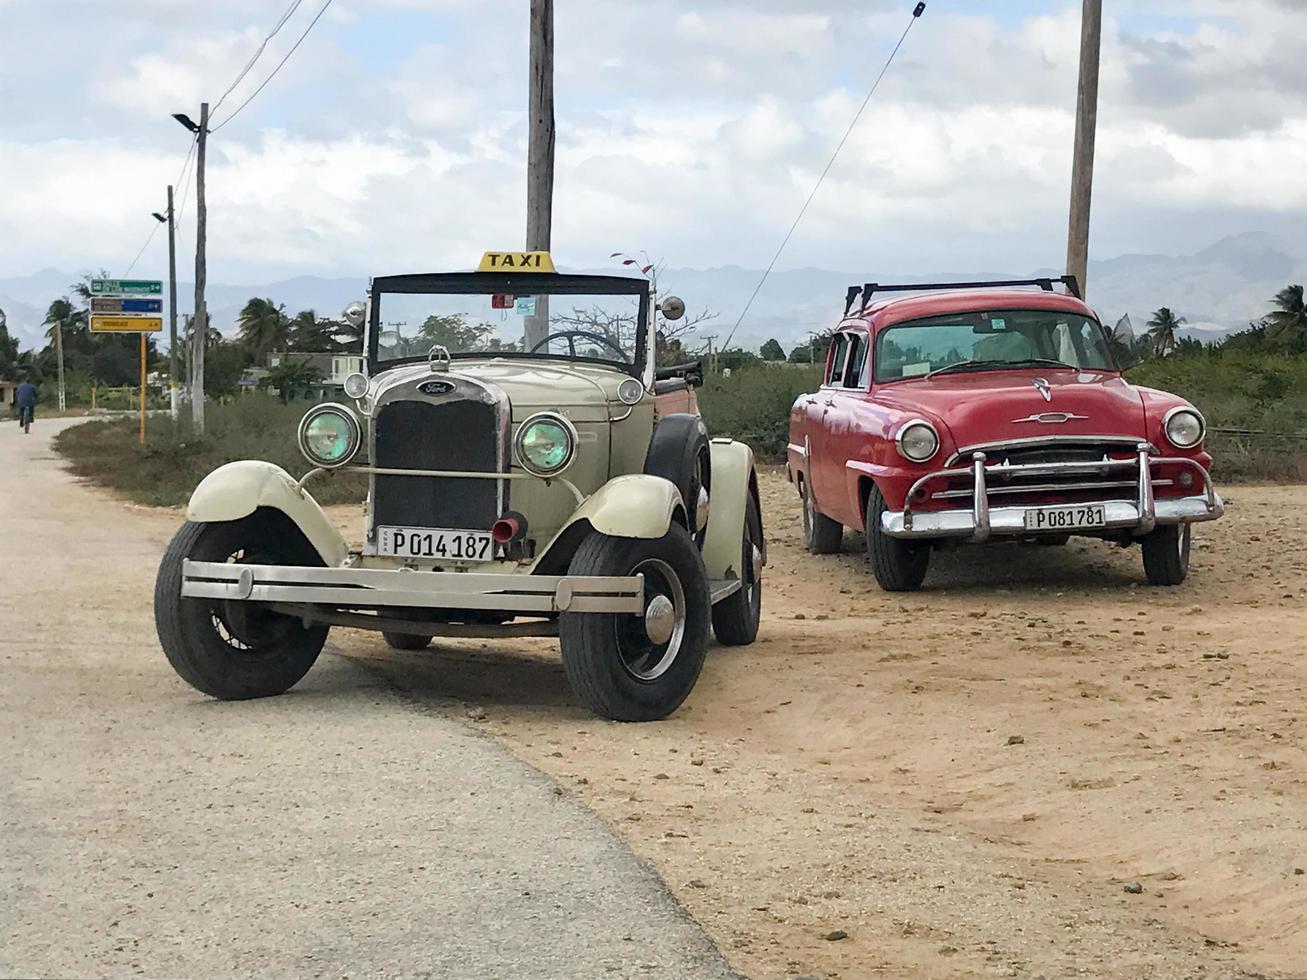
x=188, y=332
x=1161, y=331
x=1286, y=327
x=264, y=326
x=308, y=334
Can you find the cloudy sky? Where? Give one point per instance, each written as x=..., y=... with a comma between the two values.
x=394, y=138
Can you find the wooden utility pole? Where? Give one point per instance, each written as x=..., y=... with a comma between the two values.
x=1082, y=167
x=174, y=361
x=59, y=355
x=201, y=322
x=540, y=154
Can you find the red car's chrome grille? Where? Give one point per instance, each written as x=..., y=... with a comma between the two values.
x=1008, y=484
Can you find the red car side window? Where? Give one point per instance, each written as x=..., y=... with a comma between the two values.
x=839, y=353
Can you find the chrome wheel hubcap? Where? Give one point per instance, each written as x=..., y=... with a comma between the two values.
x=649, y=647
x=659, y=619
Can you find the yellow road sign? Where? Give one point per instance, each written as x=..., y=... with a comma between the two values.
x=101, y=323
x=516, y=262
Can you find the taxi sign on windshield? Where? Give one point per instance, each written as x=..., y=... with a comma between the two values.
x=516, y=262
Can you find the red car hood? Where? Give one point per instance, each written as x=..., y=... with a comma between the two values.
x=992, y=406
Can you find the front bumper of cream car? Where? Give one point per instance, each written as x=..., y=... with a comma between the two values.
x=379, y=588
x=982, y=519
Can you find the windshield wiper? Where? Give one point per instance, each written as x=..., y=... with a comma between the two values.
x=1042, y=362
x=988, y=365
x=964, y=366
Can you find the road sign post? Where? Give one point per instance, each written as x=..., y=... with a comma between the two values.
x=141, y=438
x=128, y=306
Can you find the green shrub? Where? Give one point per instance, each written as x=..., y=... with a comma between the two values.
x=753, y=404
x=165, y=470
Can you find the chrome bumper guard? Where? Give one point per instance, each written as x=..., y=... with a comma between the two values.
x=981, y=521
x=368, y=588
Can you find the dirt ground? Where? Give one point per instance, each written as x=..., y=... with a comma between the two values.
x=963, y=781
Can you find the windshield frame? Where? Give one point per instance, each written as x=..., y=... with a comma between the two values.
x=1112, y=364
x=488, y=283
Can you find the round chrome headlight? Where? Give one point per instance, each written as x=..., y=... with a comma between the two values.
x=630, y=391
x=329, y=435
x=356, y=385
x=917, y=441
x=545, y=444
x=1184, y=427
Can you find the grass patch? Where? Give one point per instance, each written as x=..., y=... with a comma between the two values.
x=753, y=405
x=165, y=470
x=1263, y=396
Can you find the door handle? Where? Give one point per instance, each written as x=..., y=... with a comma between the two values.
x=810, y=401
x=830, y=401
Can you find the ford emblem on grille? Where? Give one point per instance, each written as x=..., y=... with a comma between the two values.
x=436, y=387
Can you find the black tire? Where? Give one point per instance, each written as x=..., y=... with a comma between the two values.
x=613, y=667
x=679, y=452
x=234, y=650
x=821, y=535
x=735, y=618
x=406, y=641
x=1166, y=554
x=899, y=566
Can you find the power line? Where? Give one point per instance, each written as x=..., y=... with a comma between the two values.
x=186, y=187
x=148, y=238
x=916, y=13
x=155, y=226
x=258, y=52
x=283, y=61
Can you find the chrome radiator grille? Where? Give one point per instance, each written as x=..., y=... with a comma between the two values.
x=447, y=434
x=1010, y=473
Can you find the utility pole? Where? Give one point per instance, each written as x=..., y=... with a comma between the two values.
x=59, y=353
x=200, y=322
x=712, y=358
x=540, y=154
x=201, y=337
x=174, y=361
x=1082, y=167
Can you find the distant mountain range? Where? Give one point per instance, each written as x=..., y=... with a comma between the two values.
x=1218, y=290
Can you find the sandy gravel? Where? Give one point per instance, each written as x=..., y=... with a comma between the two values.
x=958, y=783
x=852, y=771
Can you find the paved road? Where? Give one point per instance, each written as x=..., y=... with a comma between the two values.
x=337, y=830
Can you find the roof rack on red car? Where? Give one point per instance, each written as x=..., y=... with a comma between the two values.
x=868, y=289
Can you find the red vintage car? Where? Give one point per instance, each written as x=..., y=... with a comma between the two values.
x=976, y=411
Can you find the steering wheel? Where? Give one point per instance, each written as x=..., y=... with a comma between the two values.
x=571, y=337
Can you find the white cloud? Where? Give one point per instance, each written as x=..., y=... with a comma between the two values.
x=694, y=130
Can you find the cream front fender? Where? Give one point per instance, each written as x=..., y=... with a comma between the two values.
x=238, y=489
x=733, y=482
x=634, y=506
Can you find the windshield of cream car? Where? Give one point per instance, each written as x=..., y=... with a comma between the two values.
x=580, y=326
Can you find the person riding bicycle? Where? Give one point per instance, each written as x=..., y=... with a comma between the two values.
x=26, y=400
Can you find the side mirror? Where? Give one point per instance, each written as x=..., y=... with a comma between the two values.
x=354, y=314
x=672, y=308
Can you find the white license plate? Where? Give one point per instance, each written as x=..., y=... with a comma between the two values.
x=434, y=542
x=1065, y=518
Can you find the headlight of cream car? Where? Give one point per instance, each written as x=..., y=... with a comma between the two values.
x=356, y=385
x=1185, y=428
x=545, y=444
x=329, y=435
x=917, y=441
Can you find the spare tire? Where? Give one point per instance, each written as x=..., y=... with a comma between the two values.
x=679, y=452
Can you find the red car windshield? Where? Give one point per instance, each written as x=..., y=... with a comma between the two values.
x=993, y=340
